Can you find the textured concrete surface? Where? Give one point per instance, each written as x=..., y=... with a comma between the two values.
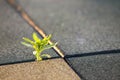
x=78, y=25
x=12, y=29
x=55, y=69
x=100, y=67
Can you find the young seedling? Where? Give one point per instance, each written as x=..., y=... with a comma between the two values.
x=39, y=45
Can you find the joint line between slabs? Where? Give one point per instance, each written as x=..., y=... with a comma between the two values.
x=25, y=61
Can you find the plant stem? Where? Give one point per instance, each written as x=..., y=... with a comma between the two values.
x=38, y=56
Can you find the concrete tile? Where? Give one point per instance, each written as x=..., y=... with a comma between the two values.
x=12, y=29
x=78, y=25
x=54, y=69
x=99, y=67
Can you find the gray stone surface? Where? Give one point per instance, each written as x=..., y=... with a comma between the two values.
x=78, y=25
x=101, y=67
x=12, y=29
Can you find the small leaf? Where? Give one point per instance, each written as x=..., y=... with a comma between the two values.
x=45, y=41
x=28, y=40
x=26, y=44
x=49, y=37
x=50, y=46
x=35, y=47
x=45, y=56
x=36, y=38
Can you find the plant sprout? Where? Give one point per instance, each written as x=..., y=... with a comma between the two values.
x=39, y=45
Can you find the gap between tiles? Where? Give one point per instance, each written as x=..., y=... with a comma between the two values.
x=25, y=61
x=105, y=52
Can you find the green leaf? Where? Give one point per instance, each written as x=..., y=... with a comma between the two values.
x=45, y=56
x=28, y=40
x=46, y=40
x=49, y=36
x=26, y=44
x=35, y=37
x=50, y=46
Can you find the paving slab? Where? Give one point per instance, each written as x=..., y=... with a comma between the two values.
x=99, y=67
x=78, y=25
x=54, y=69
x=12, y=29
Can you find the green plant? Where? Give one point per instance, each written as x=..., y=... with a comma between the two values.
x=39, y=45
